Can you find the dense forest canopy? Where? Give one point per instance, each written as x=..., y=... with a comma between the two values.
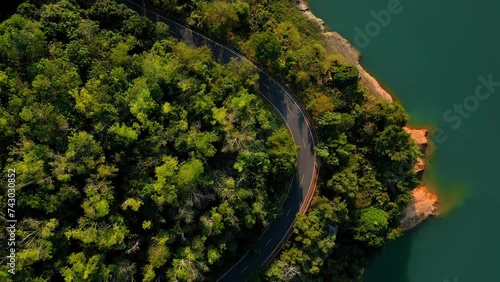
x=138, y=157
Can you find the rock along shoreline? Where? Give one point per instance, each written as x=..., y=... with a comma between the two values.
x=424, y=201
x=340, y=45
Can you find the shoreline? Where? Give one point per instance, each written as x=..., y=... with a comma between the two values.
x=424, y=201
x=342, y=46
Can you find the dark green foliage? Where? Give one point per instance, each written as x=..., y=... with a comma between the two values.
x=345, y=76
x=266, y=47
x=8, y=8
x=22, y=43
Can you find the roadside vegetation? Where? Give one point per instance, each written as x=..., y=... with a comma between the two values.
x=143, y=158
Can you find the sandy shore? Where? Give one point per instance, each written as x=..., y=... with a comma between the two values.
x=340, y=45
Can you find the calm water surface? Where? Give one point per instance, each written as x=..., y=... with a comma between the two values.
x=430, y=54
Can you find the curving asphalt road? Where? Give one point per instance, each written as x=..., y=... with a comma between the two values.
x=303, y=183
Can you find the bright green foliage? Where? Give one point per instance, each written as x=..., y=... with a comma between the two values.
x=124, y=133
x=137, y=157
x=132, y=203
x=372, y=223
x=218, y=16
x=164, y=175
x=158, y=252
x=280, y=154
x=189, y=173
x=313, y=242
x=85, y=269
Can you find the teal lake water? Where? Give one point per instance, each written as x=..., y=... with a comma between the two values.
x=430, y=55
